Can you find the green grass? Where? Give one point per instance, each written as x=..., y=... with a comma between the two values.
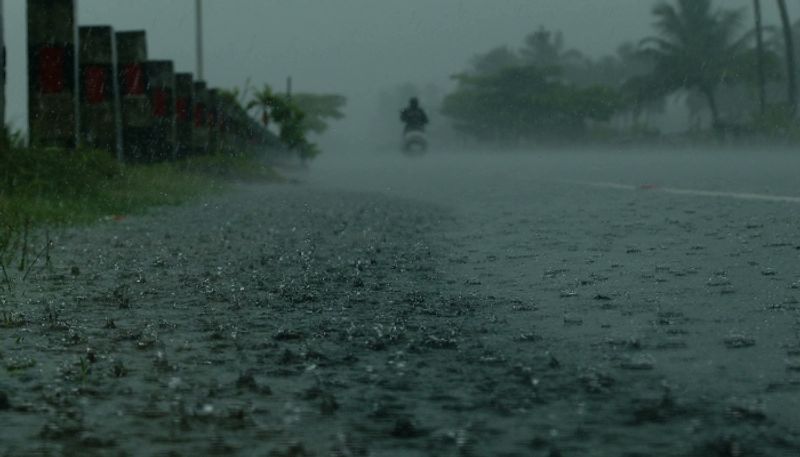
x=52, y=187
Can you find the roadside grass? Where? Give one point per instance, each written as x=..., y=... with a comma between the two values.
x=53, y=188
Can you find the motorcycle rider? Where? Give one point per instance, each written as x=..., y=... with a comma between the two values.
x=414, y=117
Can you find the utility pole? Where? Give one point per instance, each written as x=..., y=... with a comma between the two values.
x=199, y=38
x=791, y=70
x=762, y=91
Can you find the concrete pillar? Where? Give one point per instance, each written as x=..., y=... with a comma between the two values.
x=137, y=117
x=99, y=100
x=232, y=127
x=52, y=74
x=200, y=118
x=223, y=124
x=161, y=90
x=213, y=121
x=184, y=96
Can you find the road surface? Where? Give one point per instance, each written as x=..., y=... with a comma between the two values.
x=551, y=303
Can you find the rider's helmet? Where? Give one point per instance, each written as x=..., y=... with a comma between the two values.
x=414, y=102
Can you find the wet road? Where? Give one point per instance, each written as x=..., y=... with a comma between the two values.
x=561, y=303
x=680, y=266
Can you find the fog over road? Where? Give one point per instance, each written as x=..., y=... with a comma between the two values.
x=660, y=260
x=553, y=303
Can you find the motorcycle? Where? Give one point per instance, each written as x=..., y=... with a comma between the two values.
x=415, y=142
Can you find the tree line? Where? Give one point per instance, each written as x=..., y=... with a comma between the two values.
x=742, y=75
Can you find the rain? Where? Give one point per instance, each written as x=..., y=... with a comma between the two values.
x=358, y=228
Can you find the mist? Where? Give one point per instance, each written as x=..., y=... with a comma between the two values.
x=358, y=48
x=473, y=228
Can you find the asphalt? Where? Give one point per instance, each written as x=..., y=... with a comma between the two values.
x=554, y=302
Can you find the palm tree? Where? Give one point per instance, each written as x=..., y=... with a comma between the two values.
x=762, y=83
x=697, y=48
x=791, y=75
x=318, y=108
x=263, y=100
x=282, y=110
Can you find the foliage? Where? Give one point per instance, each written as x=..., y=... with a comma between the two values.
x=297, y=116
x=54, y=172
x=777, y=122
x=237, y=124
x=318, y=108
x=231, y=96
x=697, y=48
x=496, y=60
x=98, y=189
x=526, y=102
x=51, y=186
x=746, y=66
x=545, y=48
x=547, y=89
x=288, y=116
x=10, y=138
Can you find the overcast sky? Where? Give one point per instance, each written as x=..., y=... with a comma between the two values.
x=354, y=47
